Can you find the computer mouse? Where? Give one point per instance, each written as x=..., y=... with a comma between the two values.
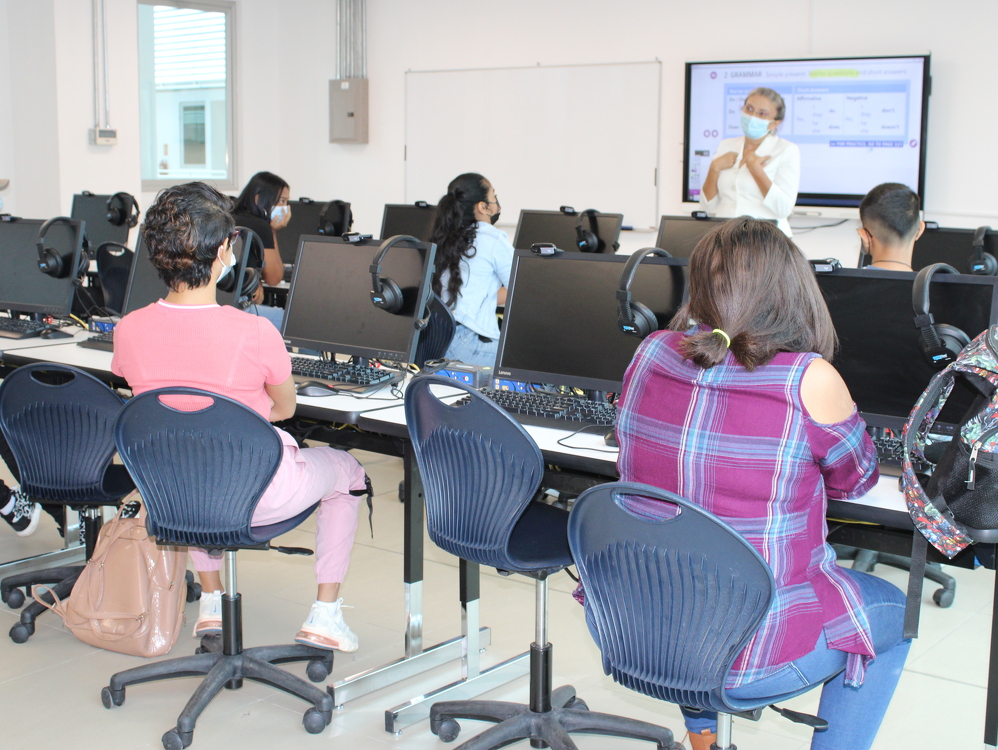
x=610, y=439
x=314, y=388
x=54, y=333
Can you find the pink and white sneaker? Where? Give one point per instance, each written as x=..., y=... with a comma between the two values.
x=324, y=628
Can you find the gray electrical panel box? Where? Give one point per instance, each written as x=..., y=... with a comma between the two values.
x=348, y=110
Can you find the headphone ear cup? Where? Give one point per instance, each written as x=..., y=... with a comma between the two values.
x=645, y=322
x=391, y=296
x=227, y=283
x=990, y=265
x=585, y=240
x=952, y=338
x=942, y=343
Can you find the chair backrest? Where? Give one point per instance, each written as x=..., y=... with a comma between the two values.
x=670, y=601
x=113, y=271
x=435, y=339
x=479, y=468
x=200, y=472
x=59, y=423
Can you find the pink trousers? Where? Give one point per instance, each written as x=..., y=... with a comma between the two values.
x=306, y=477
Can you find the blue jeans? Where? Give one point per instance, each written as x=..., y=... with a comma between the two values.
x=274, y=314
x=853, y=714
x=468, y=348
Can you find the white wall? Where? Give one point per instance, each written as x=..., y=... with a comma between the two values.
x=286, y=56
x=6, y=122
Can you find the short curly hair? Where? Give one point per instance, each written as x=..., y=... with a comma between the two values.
x=183, y=230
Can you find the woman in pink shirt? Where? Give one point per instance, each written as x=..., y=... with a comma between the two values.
x=188, y=339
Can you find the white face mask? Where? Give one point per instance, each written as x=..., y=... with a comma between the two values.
x=279, y=212
x=226, y=267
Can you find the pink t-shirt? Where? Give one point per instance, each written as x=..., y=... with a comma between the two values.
x=214, y=348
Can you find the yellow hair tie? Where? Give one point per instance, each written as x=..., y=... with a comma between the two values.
x=726, y=337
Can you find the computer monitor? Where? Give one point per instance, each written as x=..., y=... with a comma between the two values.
x=678, y=235
x=558, y=228
x=413, y=219
x=879, y=356
x=145, y=286
x=329, y=305
x=952, y=246
x=560, y=324
x=304, y=220
x=23, y=287
x=93, y=210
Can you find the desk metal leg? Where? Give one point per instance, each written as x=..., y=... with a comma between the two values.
x=416, y=659
x=474, y=681
x=991, y=705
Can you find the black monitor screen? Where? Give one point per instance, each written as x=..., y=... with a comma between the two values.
x=22, y=286
x=559, y=228
x=951, y=246
x=678, y=235
x=93, y=210
x=879, y=355
x=329, y=306
x=304, y=220
x=145, y=286
x=561, y=317
x=415, y=221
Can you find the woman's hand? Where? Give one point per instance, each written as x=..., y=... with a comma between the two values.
x=258, y=295
x=750, y=158
x=724, y=161
x=281, y=221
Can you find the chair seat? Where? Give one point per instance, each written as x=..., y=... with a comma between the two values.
x=114, y=486
x=539, y=541
x=266, y=533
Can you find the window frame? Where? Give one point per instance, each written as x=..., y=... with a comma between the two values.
x=228, y=7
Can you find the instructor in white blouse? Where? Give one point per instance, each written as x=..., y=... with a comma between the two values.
x=756, y=174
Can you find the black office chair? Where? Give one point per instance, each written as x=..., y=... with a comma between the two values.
x=434, y=340
x=114, y=264
x=201, y=474
x=671, y=602
x=480, y=471
x=59, y=424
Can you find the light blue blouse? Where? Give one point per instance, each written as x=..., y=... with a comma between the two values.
x=481, y=276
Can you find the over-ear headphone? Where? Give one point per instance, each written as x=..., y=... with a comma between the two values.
x=51, y=262
x=122, y=209
x=385, y=293
x=940, y=343
x=251, y=276
x=588, y=240
x=982, y=263
x=335, y=219
x=634, y=318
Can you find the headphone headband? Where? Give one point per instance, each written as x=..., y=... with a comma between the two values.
x=941, y=344
x=920, y=290
x=128, y=207
x=593, y=242
x=627, y=318
x=385, y=293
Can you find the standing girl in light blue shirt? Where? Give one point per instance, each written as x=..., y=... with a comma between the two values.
x=472, y=267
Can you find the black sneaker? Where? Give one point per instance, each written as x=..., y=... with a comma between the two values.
x=23, y=517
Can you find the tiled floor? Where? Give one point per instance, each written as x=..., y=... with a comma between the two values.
x=50, y=686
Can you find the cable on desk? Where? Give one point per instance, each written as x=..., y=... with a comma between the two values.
x=562, y=443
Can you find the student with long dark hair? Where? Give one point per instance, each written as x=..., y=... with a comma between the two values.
x=472, y=267
x=188, y=339
x=738, y=409
x=263, y=207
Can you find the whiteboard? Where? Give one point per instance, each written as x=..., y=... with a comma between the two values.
x=586, y=136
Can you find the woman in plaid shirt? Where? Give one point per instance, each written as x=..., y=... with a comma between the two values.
x=738, y=409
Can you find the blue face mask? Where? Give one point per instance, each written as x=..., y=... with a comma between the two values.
x=754, y=127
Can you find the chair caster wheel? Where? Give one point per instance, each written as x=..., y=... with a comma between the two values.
x=174, y=740
x=943, y=597
x=578, y=704
x=210, y=644
x=193, y=592
x=14, y=598
x=111, y=698
x=20, y=632
x=446, y=729
x=313, y=721
x=402, y=491
x=318, y=669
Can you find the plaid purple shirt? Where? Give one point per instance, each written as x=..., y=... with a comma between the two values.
x=741, y=445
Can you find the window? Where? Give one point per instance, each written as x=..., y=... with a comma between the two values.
x=185, y=92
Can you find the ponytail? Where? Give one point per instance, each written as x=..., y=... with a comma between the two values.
x=454, y=231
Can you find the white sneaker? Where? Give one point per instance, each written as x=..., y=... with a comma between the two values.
x=324, y=628
x=209, y=614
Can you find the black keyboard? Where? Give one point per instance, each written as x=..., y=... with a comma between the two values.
x=342, y=374
x=559, y=412
x=102, y=341
x=15, y=328
x=890, y=450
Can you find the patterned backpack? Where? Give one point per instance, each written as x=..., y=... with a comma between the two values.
x=959, y=504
